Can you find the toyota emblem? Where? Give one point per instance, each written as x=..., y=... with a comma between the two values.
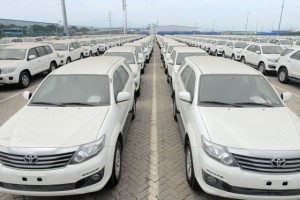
x=278, y=162
x=31, y=159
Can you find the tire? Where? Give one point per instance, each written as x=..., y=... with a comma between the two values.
x=175, y=111
x=24, y=79
x=189, y=168
x=117, y=166
x=283, y=75
x=98, y=52
x=223, y=55
x=68, y=60
x=209, y=52
x=216, y=53
x=138, y=92
x=91, y=54
x=243, y=60
x=143, y=70
x=81, y=56
x=166, y=71
x=52, y=67
x=148, y=60
x=133, y=110
x=262, y=68
x=232, y=57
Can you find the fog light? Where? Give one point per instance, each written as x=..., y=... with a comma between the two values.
x=211, y=180
x=95, y=177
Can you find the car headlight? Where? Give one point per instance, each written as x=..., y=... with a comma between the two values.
x=272, y=60
x=8, y=70
x=218, y=153
x=61, y=55
x=88, y=151
x=85, y=49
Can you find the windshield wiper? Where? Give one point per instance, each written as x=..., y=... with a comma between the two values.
x=221, y=103
x=47, y=103
x=255, y=104
x=78, y=104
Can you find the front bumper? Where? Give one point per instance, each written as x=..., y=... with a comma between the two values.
x=86, y=177
x=232, y=182
x=9, y=78
x=271, y=66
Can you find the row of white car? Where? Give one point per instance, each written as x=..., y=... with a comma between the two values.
x=69, y=138
x=19, y=62
x=240, y=139
x=278, y=57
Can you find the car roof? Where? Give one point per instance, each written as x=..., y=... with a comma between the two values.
x=94, y=65
x=215, y=65
x=181, y=49
x=122, y=49
x=65, y=41
x=25, y=45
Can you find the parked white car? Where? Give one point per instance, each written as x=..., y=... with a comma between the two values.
x=231, y=121
x=131, y=60
x=262, y=56
x=80, y=117
x=169, y=50
x=140, y=50
x=285, y=43
x=7, y=40
x=68, y=50
x=103, y=44
x=216, y=47
x=233, y=50
x=90, y=47
x=288, y=66
x=20, y=62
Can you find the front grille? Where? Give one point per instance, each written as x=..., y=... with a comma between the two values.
x=264, y=165
x=43, y=161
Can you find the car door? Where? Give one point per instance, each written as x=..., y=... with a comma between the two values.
x=229, y=49
x=181, y=81
x=249, y=54
x=33, y=64
x=43, y=59
x=72, y=52
x=257, y=56
x=79, y=49
x=294, y=62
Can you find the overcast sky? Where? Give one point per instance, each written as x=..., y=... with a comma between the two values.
x=228, y=14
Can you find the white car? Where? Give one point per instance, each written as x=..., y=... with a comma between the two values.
x=140, y=50
x=103, y=44
x=7, y=40
x=285, y=43
x=68, y=50
x=168, y=52
x=233, y=50
x=131, y=60
x=69, y=138
x=288, y=66
x=241, y=141
x=262, y=56
x=297, y=43
x=90, y=47
x=18, y=63
x=216, y=47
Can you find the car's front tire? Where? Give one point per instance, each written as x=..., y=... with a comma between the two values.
x=24, y=79
x=243, y=60
x=262, y=68
x=52, y=67
x=175, y=111
x=189, y=166
x=133, y=110
x=117, y=165
x=283, y=75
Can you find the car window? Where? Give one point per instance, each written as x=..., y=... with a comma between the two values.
x=117, y=83
x=71, y=46
x=286, y=51
x=78, y=44
x=32, y=52
x=41, y=51
x=296, y=56
x=251, y=48
x=257, y=48
x=173, y=55
x=185, y=73
x=48, y=49
x=190, y=85
x=123, y=75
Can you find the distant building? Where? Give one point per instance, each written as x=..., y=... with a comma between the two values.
x=172, y=29
x=24, y=23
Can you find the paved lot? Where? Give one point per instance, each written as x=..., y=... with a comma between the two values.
x=153, y=162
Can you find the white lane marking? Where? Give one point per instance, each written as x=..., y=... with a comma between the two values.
x=287, y=90
x=154, y=177
x=17, y=94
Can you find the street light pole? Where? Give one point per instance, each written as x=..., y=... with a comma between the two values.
x=125, y=17
x=64, y=12
x=280, y=16
x=247, y=21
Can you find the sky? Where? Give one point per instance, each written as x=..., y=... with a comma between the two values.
x=226, y=14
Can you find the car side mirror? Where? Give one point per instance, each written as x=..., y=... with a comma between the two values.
x=171, y=62
x=286, y=96
x=31, y=57
x=27, y=95
x=185, y=96
x=123, y=96
x=71, y=49
x=258, y=52
x=164, y=51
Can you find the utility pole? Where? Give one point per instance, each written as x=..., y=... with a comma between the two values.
x=64, y=12
x=280, y=17
x=109, y=19
x=125, y=17
x=247, y=21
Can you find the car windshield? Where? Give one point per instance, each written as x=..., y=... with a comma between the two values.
x=221, y=42
x=243, y=90
x=12, y=54
x=286, y=42
x=182, y=56
x=129, y=57
x=240, y=45
x=263, y=40
x=85, y=43
x=72, y=90
x=60, y=46
x=29, y=39
x=272, y=49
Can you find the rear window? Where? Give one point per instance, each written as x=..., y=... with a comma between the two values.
x=286, y=51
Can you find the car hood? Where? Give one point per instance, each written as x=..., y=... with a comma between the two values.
x=10, y=63
x=52, y=127
x=253, y=128
x=272, y=56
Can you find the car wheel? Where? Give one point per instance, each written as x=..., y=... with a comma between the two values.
x=175, y=111
x=117, y=166
x=216, y=53
x=138, y=92
x=91, y=53
x=209, y=52
x=133, y=110
x=190, y=175
x=232, y=57
x=98, y=52
x=261, y=68
x=283, y=76
x=223, y=54
x=24, y=80
x=166, y=71
x=81, y=56
x=68, y=60
x=52, y=67
x=143, y=70
x=243, y=60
